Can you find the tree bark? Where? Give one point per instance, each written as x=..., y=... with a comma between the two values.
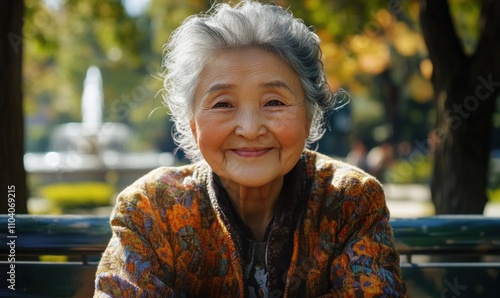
x=12, y=174
x=465, y=89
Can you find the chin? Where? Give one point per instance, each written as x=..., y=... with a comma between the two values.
x=254, y=180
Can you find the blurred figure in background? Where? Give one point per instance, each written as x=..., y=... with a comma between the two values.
x=379, y=159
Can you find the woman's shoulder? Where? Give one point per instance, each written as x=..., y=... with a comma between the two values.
x=332, y=178
x=337, y=172
x=174, y=181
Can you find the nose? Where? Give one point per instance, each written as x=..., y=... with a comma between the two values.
x=250, y=124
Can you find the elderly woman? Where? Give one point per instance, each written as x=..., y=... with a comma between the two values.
x=256, y=214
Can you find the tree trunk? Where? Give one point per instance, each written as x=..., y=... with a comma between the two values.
x=465, y=89
x=12, y=174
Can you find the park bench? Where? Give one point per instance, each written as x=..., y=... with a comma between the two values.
x=442, y=256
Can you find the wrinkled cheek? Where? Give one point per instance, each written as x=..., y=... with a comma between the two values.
x=291, y=135
x=292, y=140
x=210, y=145
x=206, y=132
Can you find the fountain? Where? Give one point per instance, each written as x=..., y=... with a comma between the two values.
x=92, y=100
x=92, y=150
x=91, y=138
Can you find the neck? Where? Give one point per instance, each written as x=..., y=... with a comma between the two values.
x=255, y=205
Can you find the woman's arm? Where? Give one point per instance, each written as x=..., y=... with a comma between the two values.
x=130, y=265
x=368, y=265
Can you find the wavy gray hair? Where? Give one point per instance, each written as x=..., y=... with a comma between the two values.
x=249, y=24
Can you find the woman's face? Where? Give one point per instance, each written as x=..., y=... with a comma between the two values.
x=250, y=120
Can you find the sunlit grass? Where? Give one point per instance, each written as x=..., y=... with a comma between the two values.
x=493, y=195
x=78, y=195
x=53, y=259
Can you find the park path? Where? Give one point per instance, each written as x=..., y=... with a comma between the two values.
x=414, y=200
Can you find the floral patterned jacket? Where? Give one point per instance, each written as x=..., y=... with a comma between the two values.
x=176, y=235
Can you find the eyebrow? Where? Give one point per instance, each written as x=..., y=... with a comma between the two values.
x=218, y=87
x=271, y=84
x=277, y=84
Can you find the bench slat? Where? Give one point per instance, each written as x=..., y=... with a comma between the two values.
x=87, y=236
x=71, y=234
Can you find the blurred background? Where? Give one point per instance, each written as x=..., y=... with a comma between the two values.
x=95, y=122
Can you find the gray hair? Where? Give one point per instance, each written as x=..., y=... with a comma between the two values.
x=249, y=24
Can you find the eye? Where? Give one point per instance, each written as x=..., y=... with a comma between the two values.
x=274, y=102
x=221, y=104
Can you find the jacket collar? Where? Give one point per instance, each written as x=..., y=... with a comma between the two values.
x=289, y=210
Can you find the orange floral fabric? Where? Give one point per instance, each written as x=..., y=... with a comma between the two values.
x=172, y=238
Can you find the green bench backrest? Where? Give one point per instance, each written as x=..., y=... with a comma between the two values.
x=83, y=238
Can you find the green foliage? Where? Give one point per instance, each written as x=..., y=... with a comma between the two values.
x=61, y=43
x=78, y=195
x=465, y=16
x=413, y=170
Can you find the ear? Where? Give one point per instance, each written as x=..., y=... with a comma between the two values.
x=308, y=127
x=192, y=125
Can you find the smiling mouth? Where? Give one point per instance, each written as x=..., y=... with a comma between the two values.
x=251, y=152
